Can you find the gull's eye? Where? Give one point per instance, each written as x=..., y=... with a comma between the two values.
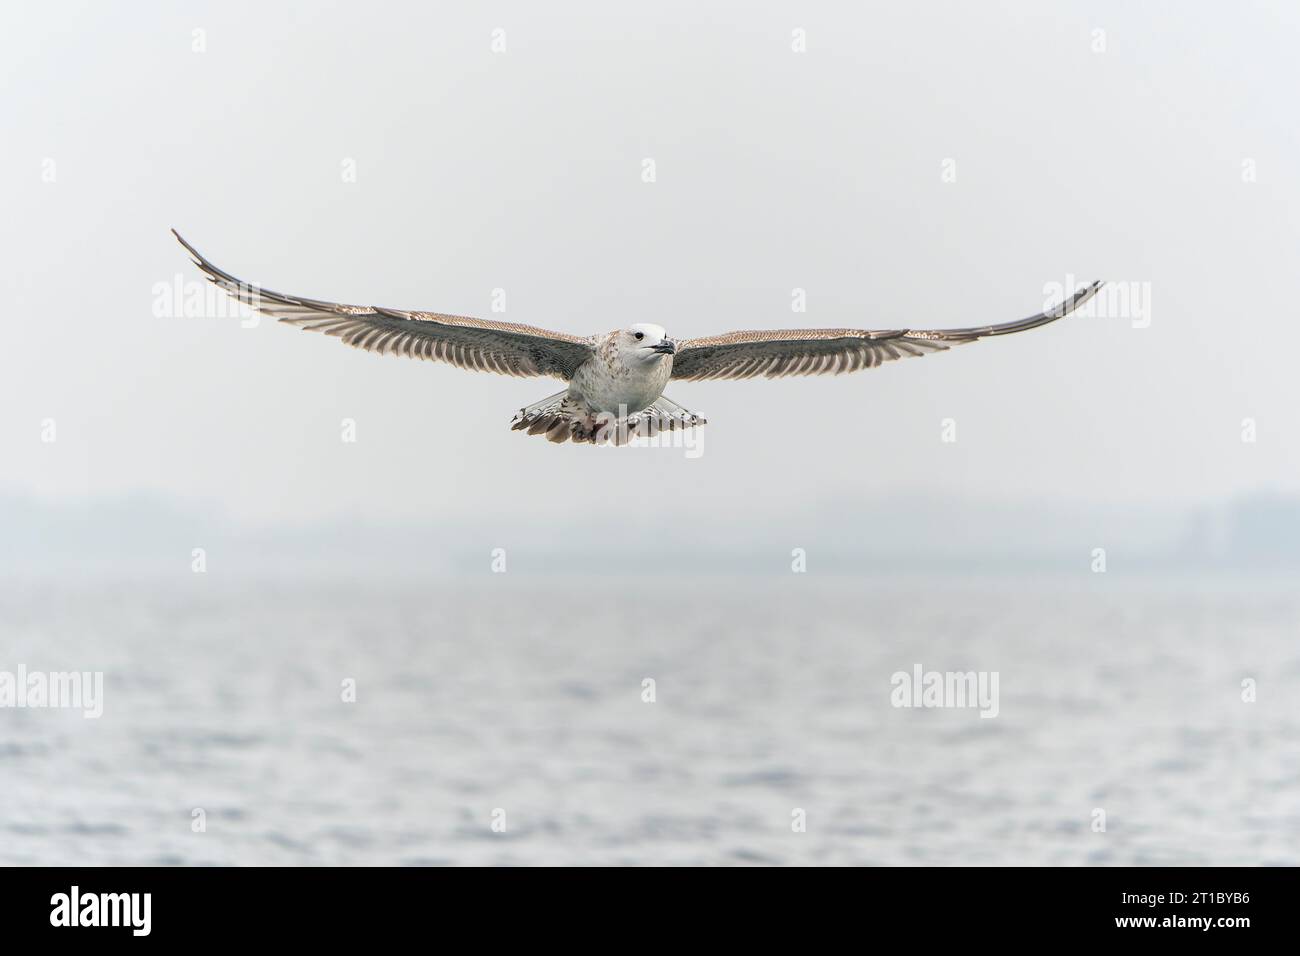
x=639, y=336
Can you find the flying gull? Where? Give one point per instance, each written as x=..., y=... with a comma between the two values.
x=615, y=382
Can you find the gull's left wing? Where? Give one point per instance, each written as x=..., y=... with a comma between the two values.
x=504, y=347
x=773, y=354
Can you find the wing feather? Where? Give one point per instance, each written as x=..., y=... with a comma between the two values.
x=780, y=352
x=480, y=344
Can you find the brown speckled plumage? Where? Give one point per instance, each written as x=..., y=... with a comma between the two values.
x=776, y=353
x=479, y=344
x=622, y=373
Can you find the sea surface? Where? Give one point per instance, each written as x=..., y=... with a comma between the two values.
x=522, y=702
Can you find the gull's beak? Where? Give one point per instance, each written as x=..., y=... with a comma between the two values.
x=666, y=347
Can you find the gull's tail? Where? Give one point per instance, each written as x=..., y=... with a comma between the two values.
x=556, y=416
x=667, y=415
x=561, y=419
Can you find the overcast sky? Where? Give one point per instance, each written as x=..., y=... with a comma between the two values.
x=918, y=165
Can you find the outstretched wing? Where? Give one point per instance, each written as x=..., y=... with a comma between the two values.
x=469, y=343
x=817, y=351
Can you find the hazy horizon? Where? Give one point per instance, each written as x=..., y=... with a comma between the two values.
x=149, y=533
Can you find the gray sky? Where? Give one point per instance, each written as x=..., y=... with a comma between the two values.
x=775, y=170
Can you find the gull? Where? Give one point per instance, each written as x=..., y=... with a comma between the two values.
x=614, y=382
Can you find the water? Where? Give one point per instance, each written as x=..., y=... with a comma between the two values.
x=525, y=695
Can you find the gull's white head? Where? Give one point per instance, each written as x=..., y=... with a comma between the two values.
x=644, y=342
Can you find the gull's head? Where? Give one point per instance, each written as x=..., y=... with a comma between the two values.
x=645, y=342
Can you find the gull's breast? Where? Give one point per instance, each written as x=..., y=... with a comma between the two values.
x=620, y=388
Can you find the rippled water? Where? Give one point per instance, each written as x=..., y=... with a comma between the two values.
x=526, y=695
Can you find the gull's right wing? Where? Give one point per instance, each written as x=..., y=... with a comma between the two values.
x=479, y=344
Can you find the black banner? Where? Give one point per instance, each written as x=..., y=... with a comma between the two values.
x=332, y=906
